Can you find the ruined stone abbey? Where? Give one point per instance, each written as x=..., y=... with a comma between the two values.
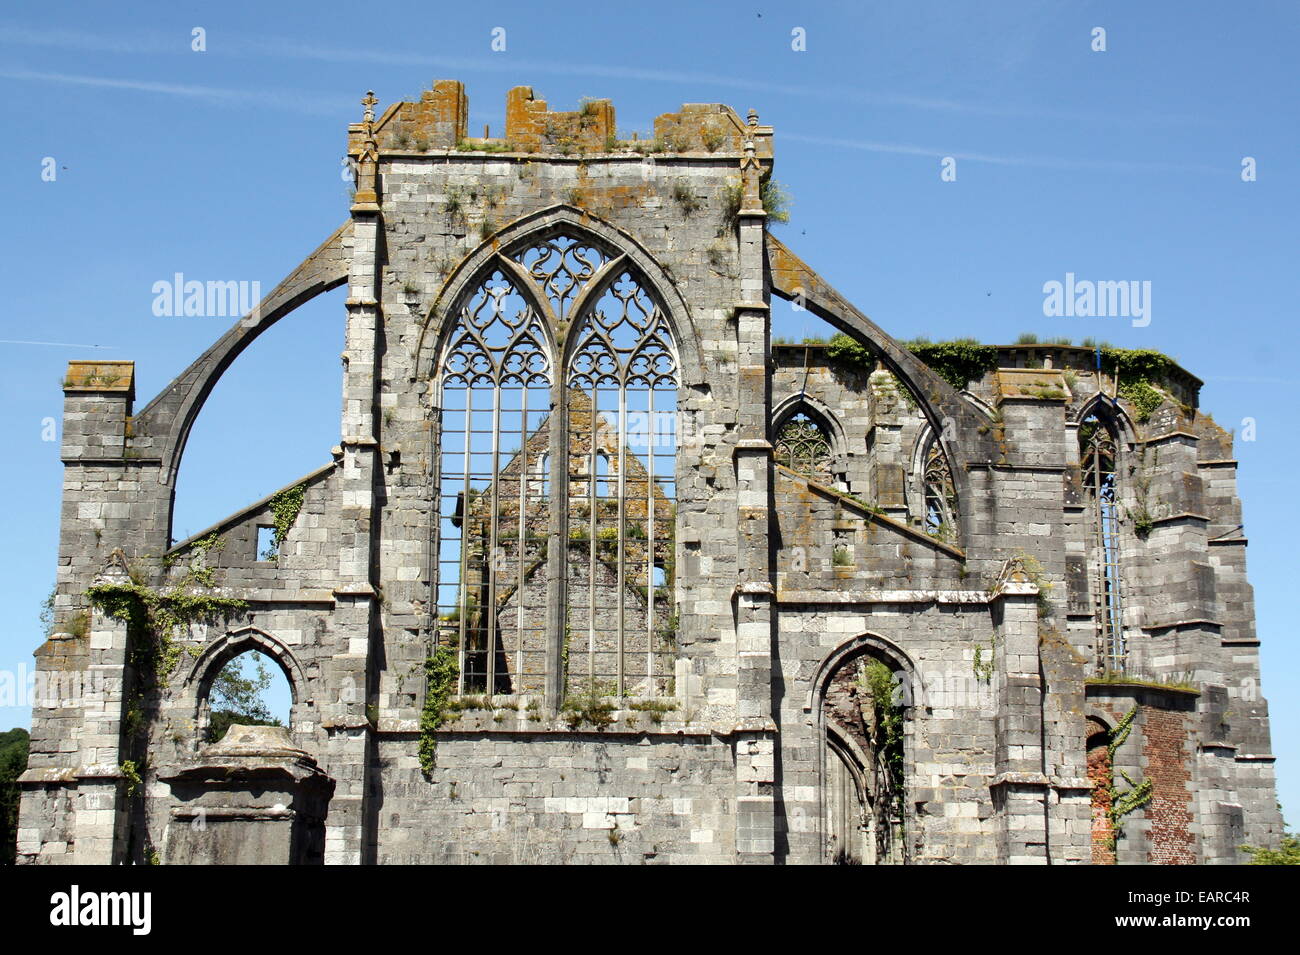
x=600, y=573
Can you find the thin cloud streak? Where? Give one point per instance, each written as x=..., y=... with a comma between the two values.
x=220, y=96
x=9, y=341
x=281, y=48
x=1047, y=162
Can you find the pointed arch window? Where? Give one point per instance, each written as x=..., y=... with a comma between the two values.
x=932, y=492
x=940, y=496
x=495, y=393
x=556, y=480
x=803, y=445
x=622, y=409
x=1098, y=450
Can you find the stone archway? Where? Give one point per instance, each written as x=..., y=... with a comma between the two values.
x=1100, y=774
x=863, y=695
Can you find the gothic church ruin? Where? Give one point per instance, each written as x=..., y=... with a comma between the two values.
x=600, y=573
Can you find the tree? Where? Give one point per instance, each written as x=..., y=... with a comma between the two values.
x=13, y=761
x=1288, y=853
x=236, y=697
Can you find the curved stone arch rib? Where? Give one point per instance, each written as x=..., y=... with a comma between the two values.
x=198, y=681
x=170, y=416
x=543, y=224
x=794, y=280
x=866, y=643
x=1103, y=721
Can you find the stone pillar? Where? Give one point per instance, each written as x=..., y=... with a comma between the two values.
x=755, y=759
x=348, y=670
x=1020, y=788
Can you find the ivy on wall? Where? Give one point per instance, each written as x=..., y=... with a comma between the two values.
x=440, y=672
x=964, y=360
x=1137, y=795
x=957, y=362
x=285, y=506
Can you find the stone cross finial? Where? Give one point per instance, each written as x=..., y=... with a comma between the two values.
x=369, y=102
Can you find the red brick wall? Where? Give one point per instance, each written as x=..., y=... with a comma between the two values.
x=1161, y=728
x=1168, y=756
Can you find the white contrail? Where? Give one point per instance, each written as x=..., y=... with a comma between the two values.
x=213, y=94
x=1050, y=162
x=10, y=341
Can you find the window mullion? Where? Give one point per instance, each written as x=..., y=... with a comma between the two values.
x=490, y=556
x=591, y=543
x=465, y=525
x=652, y=435
x=620, y=576
x=520, y=544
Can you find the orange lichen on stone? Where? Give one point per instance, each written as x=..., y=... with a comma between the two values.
x=709, y=127
x=532, y=127
x=1042, y=384
x=438, y=121
x=100, y=376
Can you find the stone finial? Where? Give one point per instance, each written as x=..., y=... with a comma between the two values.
x=753, y=118
x=369, y=102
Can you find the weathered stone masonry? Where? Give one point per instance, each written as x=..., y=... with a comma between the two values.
x=1036, y=560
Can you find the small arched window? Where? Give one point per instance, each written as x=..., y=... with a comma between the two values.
x=803, y=445
x=250, y=690
x=940, y=496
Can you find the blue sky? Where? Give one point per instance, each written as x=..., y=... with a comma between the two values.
x=224, y=164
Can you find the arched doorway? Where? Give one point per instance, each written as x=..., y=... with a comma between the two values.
x=864, y=696
x=1100, y=773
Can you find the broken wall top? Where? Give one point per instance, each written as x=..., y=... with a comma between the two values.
x=439, y=121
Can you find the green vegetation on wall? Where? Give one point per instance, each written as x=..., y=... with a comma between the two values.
x=876, y=682
x=963, y=360
x=957, y=362
x=285, y=506
x=1137, y=795
x=440, y=672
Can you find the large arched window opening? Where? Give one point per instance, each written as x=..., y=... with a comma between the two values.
x=495, y=397
x=600, y=482
x=1098, y=449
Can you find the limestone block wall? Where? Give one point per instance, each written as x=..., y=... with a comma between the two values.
x=505, y=796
